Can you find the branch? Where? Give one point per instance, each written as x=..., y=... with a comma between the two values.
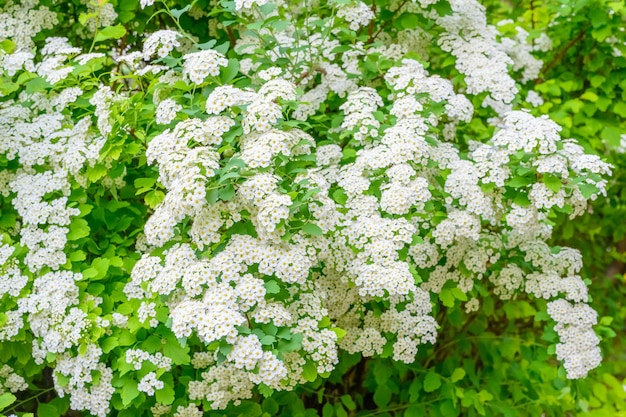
x=231, y=36
x=561, y=54
x=389, y=20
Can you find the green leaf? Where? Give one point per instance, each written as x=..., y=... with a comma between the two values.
x=267, y=340
x=79, y=228
x=177, y=13
x=600, y=391
x=312, y=229
x=339, y=332
x=6, y=400
x=101, y=265
x=7, y=46
x=226, y=193
x=37, y=85
x=309, y=371
x=340, y=196
x=222, y=48
x=447, y=408
x=7, y=220
x=165, y=395
x=77, y=256
x=96, y=172
x=47, y=410
x=271, y=287
x=230, y=71
x=125, y=16
x=587, y=190
x=249, y=409
x=212, y=196
x=270, y=406
x=409, y=21
x=552, y=182
x=225, y=348
x=485, y=396
x=521, y=199
x=598, y=17
x=267, y=8
x=292, y=344
x=143, y=185
x=229, y=175
x=457, y=375
x=340, y=411
x=109, y=344
x=206, y=45
x=612, y=135
x=382, y=396
x=518, y=182
x=90, y=273
x=265, y=391
x=177, y=353
x=414, y=410
x=63, y=380
x=129, y=391
x=348, y=402
x=620, y=108
x=432, y=382
x=153, y=198
x=458, y=294
x=415, y=390
x=111, y=32
x=443, y=8
x=446, y=297
x=328, y=410
x=589, y=96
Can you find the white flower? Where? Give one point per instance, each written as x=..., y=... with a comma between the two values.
x=199, y=65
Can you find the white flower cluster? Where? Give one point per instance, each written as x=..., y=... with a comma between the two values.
x=52, y=315
x=479, y=56
x=218, y=295
x=99, y=15
x=159, y=409
x=136, y=358
x=103, y=99
x=357, y=15
x=42, y=136
x=358, y=110
x=166, y=111
x=10, y=381
x=50, y=149
x=184, y=172
x=79, y=370
x=461, y=235
x=578, y=347
x=189, y=411
x=199, y=65
x=520, y=50
x=160, y=43
x=12, y=280
x=149, y=383
x=22, y=20
x=246, y=6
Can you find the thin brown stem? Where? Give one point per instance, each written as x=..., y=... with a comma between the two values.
x=231, y=36
x=561, y=54
x=382, y=26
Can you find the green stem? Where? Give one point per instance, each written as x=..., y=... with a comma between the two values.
x=28, y=400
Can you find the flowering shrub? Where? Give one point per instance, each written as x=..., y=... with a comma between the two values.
x=206, y=204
